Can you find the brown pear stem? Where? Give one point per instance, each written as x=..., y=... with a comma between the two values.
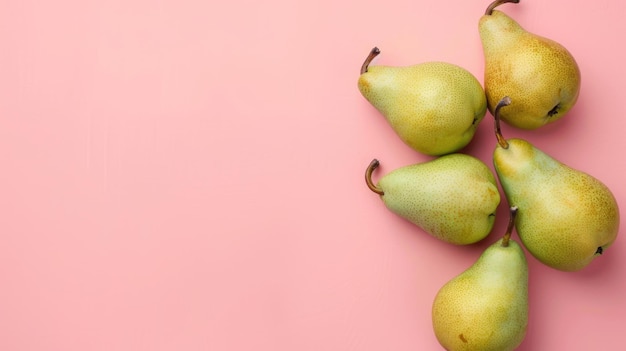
x=368, y=177
x=509, y=227
x=497, y=3
x=373, y=53
x=506, y=101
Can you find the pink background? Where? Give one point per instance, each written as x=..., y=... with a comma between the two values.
x=181, y=175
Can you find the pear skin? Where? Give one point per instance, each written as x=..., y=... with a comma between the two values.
x=434, y=107
x=566, y=216
x=453, y=197
x=485, y=308
x=540, y=75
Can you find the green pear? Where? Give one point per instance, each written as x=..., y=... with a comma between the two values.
x=453, y=197
x=540, y=75
x=434, y=107
x=566, y=217
x=485, y=308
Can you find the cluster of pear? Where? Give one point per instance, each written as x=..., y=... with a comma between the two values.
x=564, y=217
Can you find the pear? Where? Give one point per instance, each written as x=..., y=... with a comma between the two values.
x=566, y=217
x=540, y=75
x=453, y=197
x=485, y=308
x=434, y=107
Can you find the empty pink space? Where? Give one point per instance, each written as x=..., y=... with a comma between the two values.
x=188, y=175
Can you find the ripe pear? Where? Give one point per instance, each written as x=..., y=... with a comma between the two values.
x=485, y=308
x=453, y=197
x=540, y=75
x=434, y=107
x=566, y=217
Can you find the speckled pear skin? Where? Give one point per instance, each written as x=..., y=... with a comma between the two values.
x=434, y=107
x=540, y=75
x=453, y=197
x=485, y=308
x=565, y=215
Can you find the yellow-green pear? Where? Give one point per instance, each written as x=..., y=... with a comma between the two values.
x=566, y=217
x=485, y=308
x=540, y=75
x=434, y=107
x=453, y=197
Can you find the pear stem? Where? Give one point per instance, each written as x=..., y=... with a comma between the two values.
x=509, y=227
x=373, y=53
x=506, y=101
x=497, y=3
x=368, y=177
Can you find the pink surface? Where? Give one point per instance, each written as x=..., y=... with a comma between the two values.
x=180, y=175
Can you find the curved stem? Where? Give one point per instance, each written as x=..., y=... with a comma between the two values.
x=509, y=227
x=368, y=177
x=373, y=53
x=506, y=101
x=497, y=3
